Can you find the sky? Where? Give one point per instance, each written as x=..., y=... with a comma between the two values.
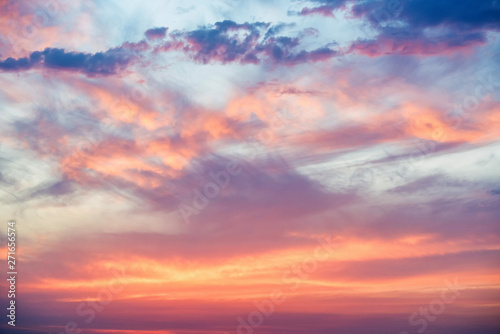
x=270, y=167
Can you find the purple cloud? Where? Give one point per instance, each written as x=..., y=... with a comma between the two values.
x=156, y=33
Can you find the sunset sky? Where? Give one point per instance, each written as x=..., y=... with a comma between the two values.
x=263, y=166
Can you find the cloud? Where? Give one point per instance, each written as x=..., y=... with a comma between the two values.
x=391, y=269
x=403, y=41
x=323, y=10
x=156, y=33
x=462, y=15
x=436, y=182
x=281, y=50
x=218, y=43
x=326, y=9
x=224, y=42
x=322, y=126
x=100, y=63
x=246, y=43
x=427, y=28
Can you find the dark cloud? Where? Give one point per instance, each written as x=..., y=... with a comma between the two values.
x=404, y=41
x=266, y=189
x=464, y=14
x=156, y=33
x=277, y=28
x=462, y=24
x=100, y=63
x=11, y=64
x=224, y=42
x=284, y=50
x=325, y=8
x=228, y=41
x=217, y=43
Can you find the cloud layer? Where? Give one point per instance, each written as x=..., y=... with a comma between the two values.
x=277, y=167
